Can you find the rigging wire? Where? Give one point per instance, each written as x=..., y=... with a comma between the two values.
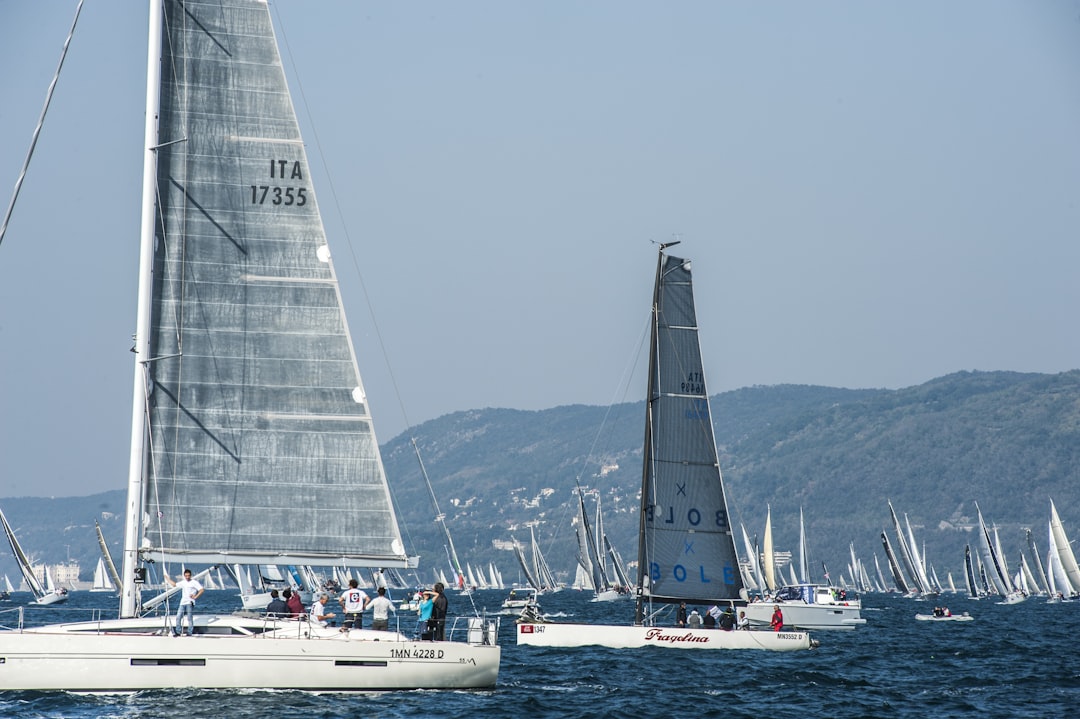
x=40, y=124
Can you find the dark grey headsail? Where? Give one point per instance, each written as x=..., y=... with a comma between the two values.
x=686, y=548
x=261, y=447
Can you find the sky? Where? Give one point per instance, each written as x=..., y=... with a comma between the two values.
x=872, y=195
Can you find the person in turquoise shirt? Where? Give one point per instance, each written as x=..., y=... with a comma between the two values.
x=425, y=607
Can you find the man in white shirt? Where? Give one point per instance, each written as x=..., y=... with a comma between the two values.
x=318, y=613
x=190, y=590
x=380, y=608
x=353, y=600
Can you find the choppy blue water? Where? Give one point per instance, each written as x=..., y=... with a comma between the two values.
x=1012, y=661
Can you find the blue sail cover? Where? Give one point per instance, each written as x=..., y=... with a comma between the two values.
x=261, y=446
x=686, y=549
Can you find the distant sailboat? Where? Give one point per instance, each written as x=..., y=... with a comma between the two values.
x=597, y=557
x=102, y=582
x=1064, y=550
x=686, y=550
x=43, y=595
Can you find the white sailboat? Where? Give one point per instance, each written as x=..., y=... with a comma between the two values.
x=1066, y=558
x=43, y=595
x=995, y=561
x=250, y=424
x=597, y=557
x=1057, y=580
x=686, y=549
x=768, y=559
x=894, y=566
x=102, y=582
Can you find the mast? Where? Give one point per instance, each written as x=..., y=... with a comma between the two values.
x=129, y=590
x=651, y=396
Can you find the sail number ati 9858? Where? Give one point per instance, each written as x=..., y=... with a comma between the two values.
x=277, y=194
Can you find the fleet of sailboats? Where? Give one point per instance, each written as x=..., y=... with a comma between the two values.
x=235, y=268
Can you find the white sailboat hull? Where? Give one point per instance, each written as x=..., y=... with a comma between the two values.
x=611, y=595
x=97, y=657
x=799, y=614
x=52, y=597
x=630, y=637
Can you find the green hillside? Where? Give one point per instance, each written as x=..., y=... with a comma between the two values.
x=1009, y=441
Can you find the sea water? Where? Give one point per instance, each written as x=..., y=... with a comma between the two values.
x=1019, y=660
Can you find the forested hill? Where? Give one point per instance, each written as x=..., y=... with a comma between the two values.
x=1009, y=441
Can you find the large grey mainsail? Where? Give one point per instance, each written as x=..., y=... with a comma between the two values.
x=686, y=549
x=261, y=448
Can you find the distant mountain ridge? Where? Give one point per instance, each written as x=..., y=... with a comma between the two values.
x=1009, y=440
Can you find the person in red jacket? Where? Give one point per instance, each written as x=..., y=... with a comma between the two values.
x=777, y=622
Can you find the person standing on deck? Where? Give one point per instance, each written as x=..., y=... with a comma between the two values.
x=353, y=602
x=190, y=590
x=380, y=608
x=439, y=607
x=777, y=622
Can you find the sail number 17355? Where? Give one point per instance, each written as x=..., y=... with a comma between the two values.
x=275, y=195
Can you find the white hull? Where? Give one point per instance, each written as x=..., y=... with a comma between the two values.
x=629, y=637
x=255, y=602
x=952, y=618
x=53, y=597
x=800, y=615
x=96, y=657
x=610, y=596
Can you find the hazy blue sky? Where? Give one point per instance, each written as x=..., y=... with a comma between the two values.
x=874, y=194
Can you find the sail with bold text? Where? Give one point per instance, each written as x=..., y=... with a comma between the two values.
x=686, y=545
